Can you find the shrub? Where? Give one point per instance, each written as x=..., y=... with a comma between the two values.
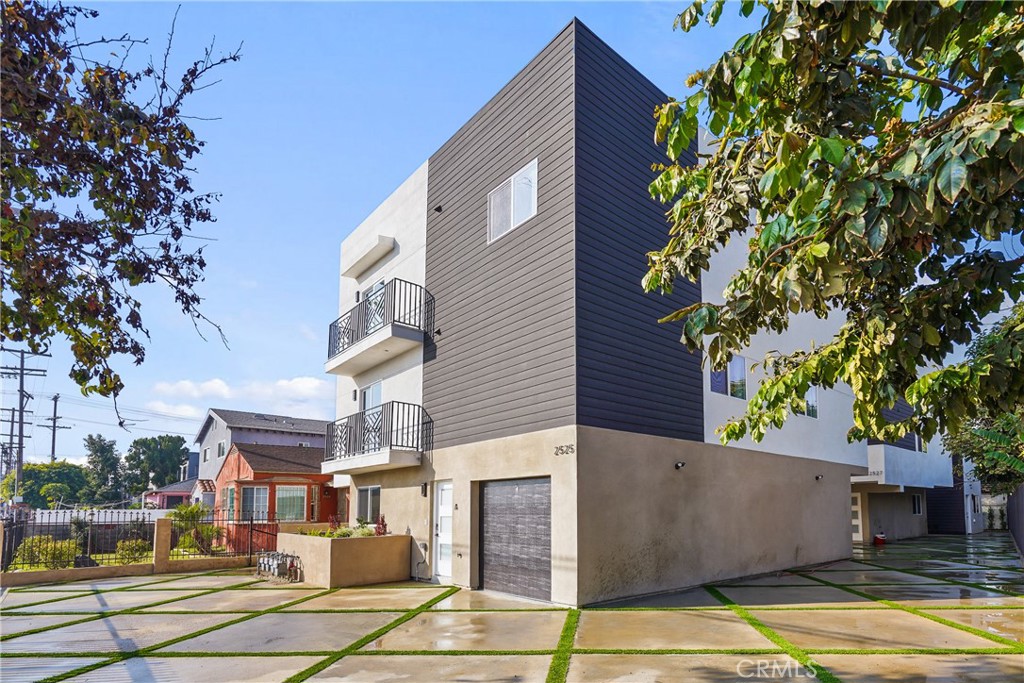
x=1002, y=518
x=186, y=543
x=991, y=518
x=363, y=532
x=131, y=551
x=80, y=533
x=382, y=527
x=46, y=551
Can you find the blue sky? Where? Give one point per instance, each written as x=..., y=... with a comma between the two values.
x=330, y=108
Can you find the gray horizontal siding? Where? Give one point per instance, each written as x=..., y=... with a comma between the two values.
x=899, y=412
x=633, y=374
x=504, y=362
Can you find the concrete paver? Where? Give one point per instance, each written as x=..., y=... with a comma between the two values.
x=185, y=670
x=438, y=669
x=656, y=630
x=108, y=602
x=697, y=597
x=232, y=601
x=372, y=598
x=866, y=630
x=951, y=595
x=198, y=582
x=13, y=623
x=930, y=668
x=1006, y=623
x=475, y=631
x=283, y=632
x=634, y=668
x=852, y=578
x=11, y=601
x=774, y=580
x=122, y=632
x=486, y=600
x=31, y=669
x=794, y=596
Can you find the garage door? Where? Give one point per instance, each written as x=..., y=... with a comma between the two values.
x=515, y=537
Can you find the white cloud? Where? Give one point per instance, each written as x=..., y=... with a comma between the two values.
x=288, y=389
x=176, y=409
x=186, y=388
x=307, y=332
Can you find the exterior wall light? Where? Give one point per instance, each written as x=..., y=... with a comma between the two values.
x=680, y=465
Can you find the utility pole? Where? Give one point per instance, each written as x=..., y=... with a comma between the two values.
x=7, y=465
x=53, y=427
x=23, y=399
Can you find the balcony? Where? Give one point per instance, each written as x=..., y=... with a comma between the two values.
x=383, y=438
x=384, y=324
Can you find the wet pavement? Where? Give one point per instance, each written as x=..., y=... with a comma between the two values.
x=940, y=608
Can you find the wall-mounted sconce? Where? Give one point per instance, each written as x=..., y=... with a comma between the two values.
x=423, y=489
x=438, y=209
x=680, y=465
x=437, y=332
x=819, y=477
x=355, y=394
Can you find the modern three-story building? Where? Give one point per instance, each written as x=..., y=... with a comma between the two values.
x=507, y=396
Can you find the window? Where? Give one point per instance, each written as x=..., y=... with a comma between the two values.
x=513, y=202
x=975, y=506
x=290, y=503
x=206, y=454
x=254, y=502
x=812, y=403
x=915, y=503
x=222, y=449
x=733, y=380
x=921, y=444
x=227, y=498
x=368, y=505
x=304, y=443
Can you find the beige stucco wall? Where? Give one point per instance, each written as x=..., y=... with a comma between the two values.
x=645, y=526
x=891, y=512
x=338, y=562
x=528, y=455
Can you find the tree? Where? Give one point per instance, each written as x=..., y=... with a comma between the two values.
x=41, y=483
x=97, y=193
x=993, y=443
x=105, y=474
x=153, y=460
x=873, y=155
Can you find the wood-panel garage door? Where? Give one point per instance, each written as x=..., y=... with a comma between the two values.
x=515, y=537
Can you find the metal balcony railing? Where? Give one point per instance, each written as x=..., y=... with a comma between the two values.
x=397, y=302
x=394, y=425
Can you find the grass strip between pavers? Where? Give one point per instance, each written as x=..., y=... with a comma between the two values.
x=142, y=652
x=1013, y=644
x=559, y=668
x=821, y=673
x=365, y=640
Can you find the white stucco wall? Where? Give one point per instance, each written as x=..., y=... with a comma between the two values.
x=821, y=438
x=402, y=216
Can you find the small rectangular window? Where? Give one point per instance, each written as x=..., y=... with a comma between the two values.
x=206, y=454
x=922, y=445
x=811, y=397
x=513, y=202
x=368, y=505
x=222, y=449
x=254, y=502
x=915, y=503
x=733, y=380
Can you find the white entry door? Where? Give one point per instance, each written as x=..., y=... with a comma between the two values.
x=857, y=518
x=443, y=531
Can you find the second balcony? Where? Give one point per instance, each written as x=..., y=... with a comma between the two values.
x=387, y=322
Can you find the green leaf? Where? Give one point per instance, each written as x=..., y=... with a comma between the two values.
x=952, y=178
x=906, y=163
x=930, y=335
x=819, y=250
x=1018, y=123
x=833, y=151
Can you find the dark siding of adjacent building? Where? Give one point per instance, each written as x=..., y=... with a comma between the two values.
x=633, y=374
x=504, y=361
x=899, y=412
x=946, y=513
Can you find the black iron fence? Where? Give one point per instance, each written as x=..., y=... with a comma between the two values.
x=397, y=301
x=393, y=425
x=59, y=539
x=223, y=533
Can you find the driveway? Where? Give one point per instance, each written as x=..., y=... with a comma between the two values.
x=940, y=608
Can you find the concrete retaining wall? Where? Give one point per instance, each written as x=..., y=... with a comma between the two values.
x=338, y=562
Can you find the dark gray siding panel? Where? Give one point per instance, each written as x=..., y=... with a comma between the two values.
x=899, y=412
x=504, y=361
x=633, y=374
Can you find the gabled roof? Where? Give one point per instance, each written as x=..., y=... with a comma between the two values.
x=185, y=486
x=289, y=459
x=241, y=419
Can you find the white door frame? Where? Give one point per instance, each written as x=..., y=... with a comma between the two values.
x=442, y=566
x=858, y=507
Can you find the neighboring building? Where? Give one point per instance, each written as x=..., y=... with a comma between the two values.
x=506, y=393
x=171, y=495
x=282, y=483
x=957, y=510
x=189, y=467
x=221, y=428
x=993, y=509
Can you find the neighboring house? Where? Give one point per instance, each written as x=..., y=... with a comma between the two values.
x=222, y=427
x=189, y=467
x=281, y=483
x=506, y=394
x=957, y=510
x=171, y=495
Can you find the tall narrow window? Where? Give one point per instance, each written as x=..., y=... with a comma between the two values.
x=368, y=505
x=811, y=397
x=733, y=380
x=915, y=503
x=222, y=448
x=513, y=202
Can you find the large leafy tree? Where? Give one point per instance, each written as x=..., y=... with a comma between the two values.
x=104, y=471
x=97, y=195
x=994, y=443
x=153, y=460
x=44, y=484
x=872, y=155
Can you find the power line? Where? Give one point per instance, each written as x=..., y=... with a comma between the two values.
x=23, y=398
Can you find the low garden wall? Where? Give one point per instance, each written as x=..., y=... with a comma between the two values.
x=339, y=562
